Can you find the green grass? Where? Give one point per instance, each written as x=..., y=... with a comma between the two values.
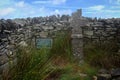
x=58, y=63
x=40, y=64
x=103, y=56
x=32, y=64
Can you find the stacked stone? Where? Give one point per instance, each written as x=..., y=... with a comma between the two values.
x=77, y=36
x=97, y=32
x=18, y=31
x=8, y=41
x=21, y=35
x=6, y=51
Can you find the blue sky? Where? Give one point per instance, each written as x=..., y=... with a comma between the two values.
x=35, y=8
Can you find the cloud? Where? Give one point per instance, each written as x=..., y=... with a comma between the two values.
x=41, y=2
x=58, y=1
x=102, y=12
x=5, y=3
x=118, y=1
x=6, y=11
x=96, y=8
x=20, y=4
x=67, y=11
x=54, y=2
x=22, y=9
x=114, y=2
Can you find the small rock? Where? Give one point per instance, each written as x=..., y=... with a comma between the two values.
x=1, y=70
x=95, y=78
x=0, y=77
x=23, y=44
x=83, y=75
x=106, y=76
x=103, y=71
x=3, y=59
x=101, y=78
x=103, y=74
x=115, y=73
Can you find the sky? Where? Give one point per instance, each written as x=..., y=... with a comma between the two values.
x=10, y=9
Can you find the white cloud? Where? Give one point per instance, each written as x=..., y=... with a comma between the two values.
x=96, y=8
x=41, y=2
x=54, y=2
x=20, y=4
x=5, y=3
x=104, y=13
x=118, y=1
x=115, y=7
x=112, y=11
x=58, y=1
x=68, y=11
x=21, y=9
x=6, y=11
x=114, y=2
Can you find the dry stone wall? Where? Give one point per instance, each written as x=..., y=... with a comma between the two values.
x=18, y=32
x=22, y=35
x=99, y=32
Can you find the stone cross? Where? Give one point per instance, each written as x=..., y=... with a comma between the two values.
x=77, y=36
